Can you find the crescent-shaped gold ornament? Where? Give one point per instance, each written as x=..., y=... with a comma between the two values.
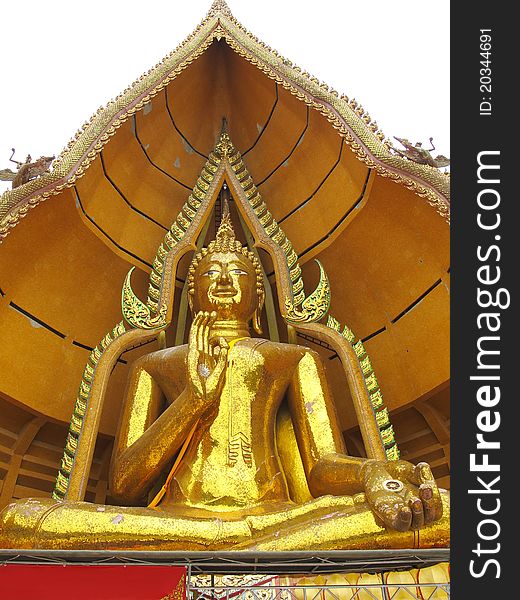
x=135, y=312
x=315, y=306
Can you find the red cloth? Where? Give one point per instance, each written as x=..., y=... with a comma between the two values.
x=92, y=582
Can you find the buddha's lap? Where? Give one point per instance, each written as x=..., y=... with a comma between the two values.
x=328, y=522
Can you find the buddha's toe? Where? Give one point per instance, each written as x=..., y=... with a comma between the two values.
x=19, y=521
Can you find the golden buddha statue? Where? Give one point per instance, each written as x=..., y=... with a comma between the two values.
x=212, y=408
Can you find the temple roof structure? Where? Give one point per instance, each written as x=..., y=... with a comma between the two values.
x=377, y=222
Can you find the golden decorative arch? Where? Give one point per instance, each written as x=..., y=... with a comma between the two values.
x=143, y=322
x=347, y=116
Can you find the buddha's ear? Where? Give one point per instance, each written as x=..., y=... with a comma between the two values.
x=258, y=313
x=256, y=321
x=190, y=301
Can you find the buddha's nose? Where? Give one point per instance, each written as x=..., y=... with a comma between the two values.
x=224, y=278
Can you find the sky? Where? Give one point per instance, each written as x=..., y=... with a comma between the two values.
x=62, y=60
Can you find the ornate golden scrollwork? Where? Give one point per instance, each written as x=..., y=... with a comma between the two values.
x=136, y=313
x=224, y=147
x=315, y=306
x=80, y=408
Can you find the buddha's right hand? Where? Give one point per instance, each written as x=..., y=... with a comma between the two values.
x=206, y=362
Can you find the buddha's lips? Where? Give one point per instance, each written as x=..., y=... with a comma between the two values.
x=225, y=294
x=228, y=292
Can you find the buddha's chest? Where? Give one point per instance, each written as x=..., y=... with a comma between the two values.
x=232, y=461
x=242, y=426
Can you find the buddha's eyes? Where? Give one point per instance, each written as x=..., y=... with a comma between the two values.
x=216, y=272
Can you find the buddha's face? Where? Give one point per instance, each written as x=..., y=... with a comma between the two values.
x=225, y=282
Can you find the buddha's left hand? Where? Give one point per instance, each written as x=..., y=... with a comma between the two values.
x=404, y=496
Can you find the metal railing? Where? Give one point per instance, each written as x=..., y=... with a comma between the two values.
x=357, y=591
x=224, y=562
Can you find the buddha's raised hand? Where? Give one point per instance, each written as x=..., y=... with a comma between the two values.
x=206, y=362
x=404, y=496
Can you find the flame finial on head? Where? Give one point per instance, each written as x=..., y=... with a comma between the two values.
x=226, y=234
